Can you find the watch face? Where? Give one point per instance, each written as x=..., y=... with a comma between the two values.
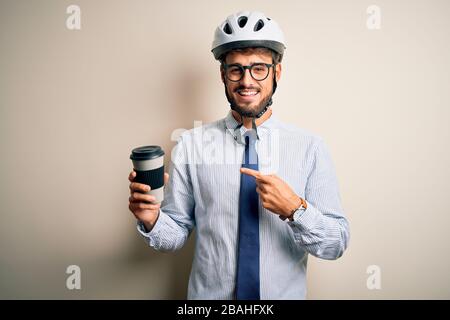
x=298, y=212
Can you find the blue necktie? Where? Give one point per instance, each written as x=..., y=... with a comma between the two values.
x=247, y=280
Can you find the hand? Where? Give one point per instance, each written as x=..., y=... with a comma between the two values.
x=141, y=204
x=275, y=194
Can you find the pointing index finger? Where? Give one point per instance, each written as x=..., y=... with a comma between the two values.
x=251, y=172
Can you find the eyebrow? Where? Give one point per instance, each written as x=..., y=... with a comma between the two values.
x=251, y=62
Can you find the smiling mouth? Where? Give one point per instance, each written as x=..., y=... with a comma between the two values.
x=247, y=93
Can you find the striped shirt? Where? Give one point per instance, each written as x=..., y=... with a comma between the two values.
x=203, y=192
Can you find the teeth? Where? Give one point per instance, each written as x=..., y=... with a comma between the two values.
x=247, y=93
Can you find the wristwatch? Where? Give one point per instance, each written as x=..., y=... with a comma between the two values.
x=297, y=211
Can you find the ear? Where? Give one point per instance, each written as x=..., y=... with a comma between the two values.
x=222, y=74
x=278, y=69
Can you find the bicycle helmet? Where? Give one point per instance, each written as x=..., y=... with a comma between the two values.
x=247, y=29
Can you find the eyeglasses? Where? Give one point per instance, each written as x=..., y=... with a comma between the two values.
x=259, y=71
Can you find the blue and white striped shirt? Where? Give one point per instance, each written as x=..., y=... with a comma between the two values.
x=203, y=192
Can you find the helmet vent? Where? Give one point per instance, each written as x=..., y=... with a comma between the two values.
x=242, y=21
x=259, y=25
x=227, y=29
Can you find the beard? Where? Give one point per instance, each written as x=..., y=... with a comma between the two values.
x=246, y=111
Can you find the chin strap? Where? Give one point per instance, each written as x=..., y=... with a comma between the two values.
x=254, y=125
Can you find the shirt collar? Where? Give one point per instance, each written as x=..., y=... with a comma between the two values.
x=232, y=124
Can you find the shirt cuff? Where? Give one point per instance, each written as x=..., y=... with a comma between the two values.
x=305, y=220
x=157, y=226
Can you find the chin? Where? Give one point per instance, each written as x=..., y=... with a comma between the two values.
x=248, y=106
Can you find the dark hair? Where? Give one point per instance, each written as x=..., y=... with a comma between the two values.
x=276, y=57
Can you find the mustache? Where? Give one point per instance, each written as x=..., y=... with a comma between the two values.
x=246, y=88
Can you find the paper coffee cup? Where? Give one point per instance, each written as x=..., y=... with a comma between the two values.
x=148, y=162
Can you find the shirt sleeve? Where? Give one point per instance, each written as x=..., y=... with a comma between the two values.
x=322, y=228
x=176, y=215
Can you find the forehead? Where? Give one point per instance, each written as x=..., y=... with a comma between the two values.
x=248, y=56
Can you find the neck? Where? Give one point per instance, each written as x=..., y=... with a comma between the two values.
x=247, y=122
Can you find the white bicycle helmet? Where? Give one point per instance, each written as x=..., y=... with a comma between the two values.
x=247, y=29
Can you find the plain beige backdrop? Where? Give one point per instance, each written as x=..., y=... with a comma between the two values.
x=73, y=103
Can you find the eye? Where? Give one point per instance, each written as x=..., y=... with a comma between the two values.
x=234, y=69
x=259, y=68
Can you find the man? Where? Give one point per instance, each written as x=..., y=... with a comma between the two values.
x=259, y=217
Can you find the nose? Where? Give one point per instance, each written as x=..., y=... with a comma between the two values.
x=246, y=78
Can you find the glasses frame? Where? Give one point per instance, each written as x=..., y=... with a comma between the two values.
x=249, y=67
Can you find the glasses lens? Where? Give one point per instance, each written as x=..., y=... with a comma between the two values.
x=259, y=71
x=234, y=72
